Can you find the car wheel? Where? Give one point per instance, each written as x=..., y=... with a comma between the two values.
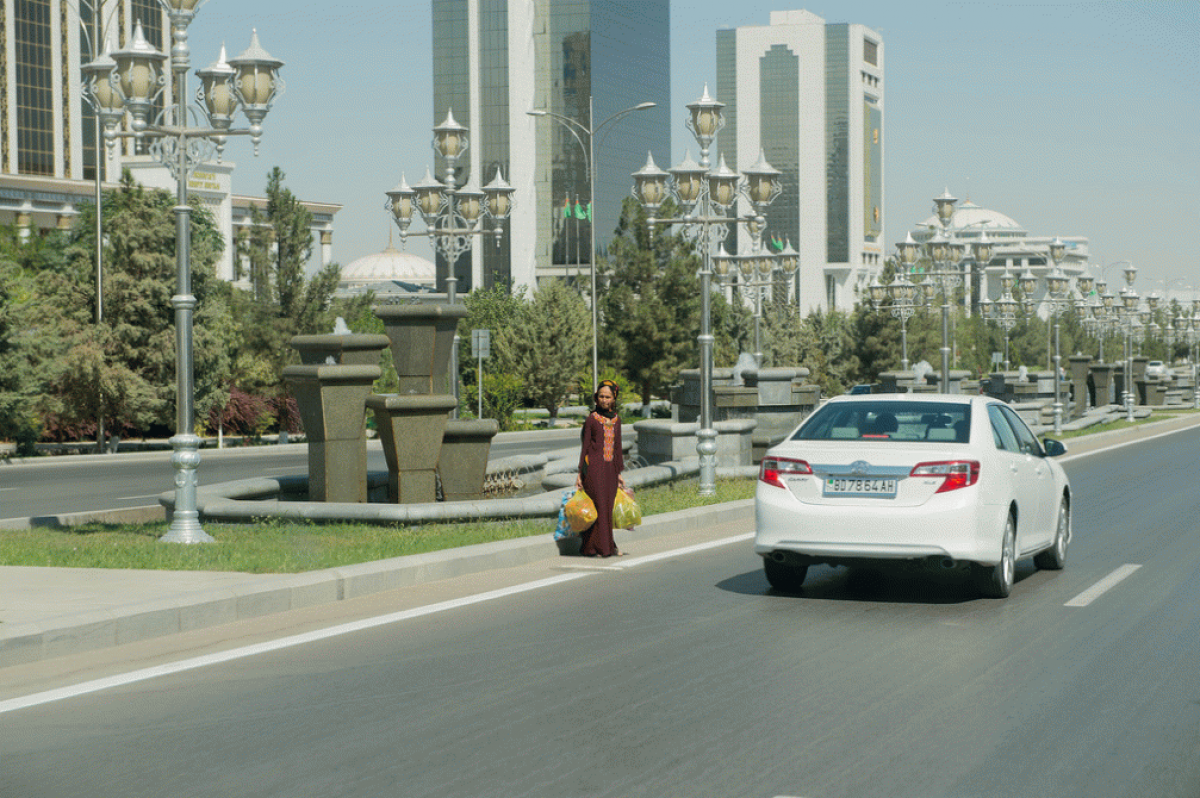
x=1055, y=557
x=996, y=581
x=783, y=577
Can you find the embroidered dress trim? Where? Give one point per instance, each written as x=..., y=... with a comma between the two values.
x=609, y=435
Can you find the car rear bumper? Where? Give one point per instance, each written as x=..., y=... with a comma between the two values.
x=956, y=528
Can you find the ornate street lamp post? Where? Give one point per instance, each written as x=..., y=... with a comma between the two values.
x=1058, y=293
x=1004, y=311
x=129, y=81
x=578, y=129
x=757, y=271
x=901, y=292
x=706, y=197
x=453, y=216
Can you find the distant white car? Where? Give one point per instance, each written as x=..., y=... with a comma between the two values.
x=947, y=480
x=1156, y=369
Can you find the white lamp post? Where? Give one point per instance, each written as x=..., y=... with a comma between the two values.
x=1058, y=287
x=578, y=129
x=453, y=216
x=130, y=85
x=706, y=196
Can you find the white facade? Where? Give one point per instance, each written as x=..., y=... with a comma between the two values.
x=1014, y=251
x=810, y=96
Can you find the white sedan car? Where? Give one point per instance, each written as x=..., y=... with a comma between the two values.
x=946, y=479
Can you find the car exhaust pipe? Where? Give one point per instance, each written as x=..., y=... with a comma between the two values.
x=948, y=563
x=779, y=556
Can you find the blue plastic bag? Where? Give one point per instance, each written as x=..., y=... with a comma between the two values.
x=563, y=530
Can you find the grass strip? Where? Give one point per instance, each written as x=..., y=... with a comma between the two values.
x=275, y=546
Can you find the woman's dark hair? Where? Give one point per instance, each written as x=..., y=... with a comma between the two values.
x=612, y=386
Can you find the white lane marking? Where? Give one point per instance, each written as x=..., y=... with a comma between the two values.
x=1103, y=586
x=122, y=679
x=633, y=562
x=146, y=496
x=119, y=680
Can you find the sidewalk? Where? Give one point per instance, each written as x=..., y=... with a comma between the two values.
x=54, y=612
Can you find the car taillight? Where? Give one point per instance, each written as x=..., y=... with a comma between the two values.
x=773, y=470
x=957, y=473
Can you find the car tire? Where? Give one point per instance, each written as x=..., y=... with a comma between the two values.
x=996, y=581
x=1055, y=557
x=783, y=577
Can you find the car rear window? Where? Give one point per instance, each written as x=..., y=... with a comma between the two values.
x=888, y=421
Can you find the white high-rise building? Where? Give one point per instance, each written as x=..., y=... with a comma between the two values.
x=810, y=94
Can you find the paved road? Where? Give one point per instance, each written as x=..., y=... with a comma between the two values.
x=687, y=676
x=51, y=486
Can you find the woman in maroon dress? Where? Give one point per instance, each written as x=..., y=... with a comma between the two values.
x=600, y=464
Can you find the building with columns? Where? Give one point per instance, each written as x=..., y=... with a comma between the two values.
x=48, y=153
x=1014, y=250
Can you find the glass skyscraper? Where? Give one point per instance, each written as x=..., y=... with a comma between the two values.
x=811, y=96
x=496, y=60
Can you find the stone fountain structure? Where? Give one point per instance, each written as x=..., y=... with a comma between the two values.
x=331, y=385
x=421, y=443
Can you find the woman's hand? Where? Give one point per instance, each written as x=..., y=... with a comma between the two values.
x=620, y=482
x=578, y=481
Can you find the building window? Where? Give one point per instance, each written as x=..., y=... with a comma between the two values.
x=35, y=88
x=871, y=52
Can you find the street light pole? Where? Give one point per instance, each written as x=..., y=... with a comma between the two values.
x=706, y=197
x=1058, y=288
x=575, y=127
x=129, y=81
x=453, y=216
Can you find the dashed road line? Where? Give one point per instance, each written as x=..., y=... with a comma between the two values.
x=1103, y=586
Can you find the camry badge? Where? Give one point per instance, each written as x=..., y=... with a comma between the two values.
x=860, y=467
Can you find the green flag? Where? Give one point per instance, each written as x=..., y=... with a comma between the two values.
x=566, y=207
x=580, y=211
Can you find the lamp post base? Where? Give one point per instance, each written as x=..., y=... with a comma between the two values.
x=185, y=520
x=706, y=447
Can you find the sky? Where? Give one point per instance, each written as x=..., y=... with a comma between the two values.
x=1073, y=118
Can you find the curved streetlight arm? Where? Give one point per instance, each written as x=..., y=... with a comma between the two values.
x=573, y=126
x=577, y=128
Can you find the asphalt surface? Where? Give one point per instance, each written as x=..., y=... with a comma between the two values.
x=677, y=671
x=54, y=612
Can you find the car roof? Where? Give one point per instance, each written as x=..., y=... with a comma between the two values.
x=942, y=398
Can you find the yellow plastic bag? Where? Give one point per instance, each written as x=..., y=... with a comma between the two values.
x=626, y=513
x=580, y=511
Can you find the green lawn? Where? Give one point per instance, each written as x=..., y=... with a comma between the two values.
x=273, y=546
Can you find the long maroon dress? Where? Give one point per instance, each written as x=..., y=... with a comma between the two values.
x=600, y=461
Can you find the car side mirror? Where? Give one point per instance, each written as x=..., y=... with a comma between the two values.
x=1054, y=448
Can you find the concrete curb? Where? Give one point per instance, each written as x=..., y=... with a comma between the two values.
x=266, y=595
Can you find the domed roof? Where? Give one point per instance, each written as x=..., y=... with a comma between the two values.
x=391, y=264
x=968, y=214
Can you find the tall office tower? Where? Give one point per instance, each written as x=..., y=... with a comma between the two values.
x=48, y=156
x=811, y=96
x=584, y=60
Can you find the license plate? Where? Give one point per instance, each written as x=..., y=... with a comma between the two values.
x=860, y=486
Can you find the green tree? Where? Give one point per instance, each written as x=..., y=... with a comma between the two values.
x=124, y=368
x=283, y=302
x=549, y=345
x=650, y=304
x=19, y=420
